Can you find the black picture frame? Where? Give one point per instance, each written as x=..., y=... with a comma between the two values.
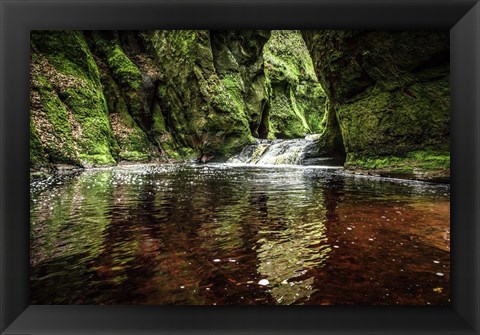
x=18, y=17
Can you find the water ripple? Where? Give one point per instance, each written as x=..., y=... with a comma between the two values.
x=205, y=234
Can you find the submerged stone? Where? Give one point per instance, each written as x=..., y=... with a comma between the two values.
x=263, y=282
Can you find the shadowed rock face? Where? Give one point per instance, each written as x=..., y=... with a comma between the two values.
x=388, y=95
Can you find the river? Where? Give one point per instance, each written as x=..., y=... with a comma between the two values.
x=238, y=234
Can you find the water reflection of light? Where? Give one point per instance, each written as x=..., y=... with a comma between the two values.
x=278, y=166
x=290, y=253
x=296, y=241
x=207, y=234
x=71, y=218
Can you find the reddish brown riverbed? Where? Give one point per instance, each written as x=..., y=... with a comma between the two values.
x=208, y=234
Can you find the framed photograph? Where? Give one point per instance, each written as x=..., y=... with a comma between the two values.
x=240, y=167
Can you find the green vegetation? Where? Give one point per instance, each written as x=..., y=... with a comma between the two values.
x=426, y=160
x=71, y=99
x=379, y=99
x=297, y=99
x=388, y=96
x=430, y=165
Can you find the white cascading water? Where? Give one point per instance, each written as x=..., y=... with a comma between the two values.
x=275, y=152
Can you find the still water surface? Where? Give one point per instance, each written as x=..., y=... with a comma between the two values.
x=209, y=234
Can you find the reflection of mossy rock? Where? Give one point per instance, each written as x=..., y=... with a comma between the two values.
x=297, y=99
x=388, y=91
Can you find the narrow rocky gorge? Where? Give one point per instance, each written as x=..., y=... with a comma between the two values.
x=379, y=101
x=252, y=167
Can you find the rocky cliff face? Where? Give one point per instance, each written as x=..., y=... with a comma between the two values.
x=101, y=97
x=69, y=115
x=380, y=99
x=297, y=100
x=388, y=97
x=210, y=94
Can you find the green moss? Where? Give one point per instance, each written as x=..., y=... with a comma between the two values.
x=91, y=159
x=187, y=153
x=134, y=156
x=72, y=72
x=311, y=101
x=197, y=99
x=133, y=143
x=388, y=91
x=397, y=122
x=119, y=68
x=163, y=137
x=232, y=142
x=50, y=129
x=123, y=68
x=60, y=143
x=134, y=146
x=431, y=160
x=89, y=109
x=68, y=52
x=235, y=89
x=181, y=103
x=286, y=119
x=423, y=160
x=37, y=152
x=287, y=59
x=297, y=100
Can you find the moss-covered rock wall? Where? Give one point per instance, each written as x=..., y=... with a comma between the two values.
x=101, y=97
x=129, y=88
x=388, y=94
x=69, y=114
x=297, y=100
x=238, y=61
x=210, y=93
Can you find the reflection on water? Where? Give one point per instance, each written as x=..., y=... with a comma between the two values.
x=226, y=234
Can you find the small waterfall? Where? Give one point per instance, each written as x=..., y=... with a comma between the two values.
x=300, y=151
